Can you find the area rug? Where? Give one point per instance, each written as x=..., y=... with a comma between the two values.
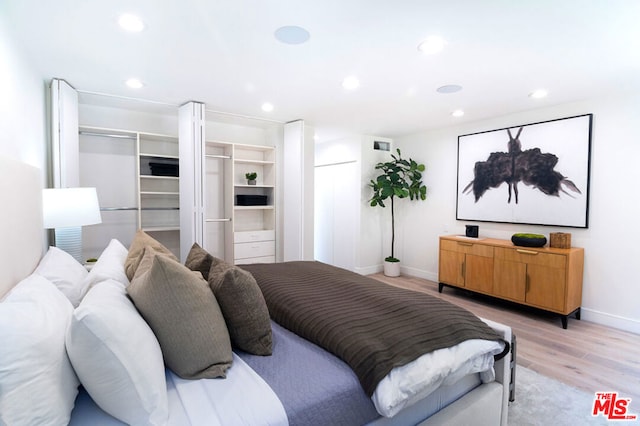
x=543, y=401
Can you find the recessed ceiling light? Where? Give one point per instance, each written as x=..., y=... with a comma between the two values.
x=267, y=107
x=457, y=113
x=431, y=45
x=291, y=34
x=449, y=88
x=134, y=83
x=131, y=23
x=538, y=94
x=351, y=83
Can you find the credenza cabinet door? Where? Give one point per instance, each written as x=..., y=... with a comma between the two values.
x=451, y=267
x=479, y=273
x=510, y=280
x=546, y=287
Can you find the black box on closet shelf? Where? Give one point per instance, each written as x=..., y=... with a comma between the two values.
x=251, y=200
x=164, y=169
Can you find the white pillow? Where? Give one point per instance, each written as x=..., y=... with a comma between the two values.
x=65, y=272
x=110, y=265
x=117, y=356
x=37, y=382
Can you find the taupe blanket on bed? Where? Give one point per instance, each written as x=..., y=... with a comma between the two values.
x=372, y=326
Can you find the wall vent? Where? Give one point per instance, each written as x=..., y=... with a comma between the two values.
x=382, y=146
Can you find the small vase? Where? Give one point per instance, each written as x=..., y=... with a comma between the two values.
x=251, y=182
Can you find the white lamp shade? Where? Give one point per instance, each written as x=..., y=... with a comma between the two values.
x=65, y=207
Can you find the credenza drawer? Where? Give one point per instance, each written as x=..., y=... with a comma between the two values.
x=255, y=249
x=467, y=247
x=534, y=257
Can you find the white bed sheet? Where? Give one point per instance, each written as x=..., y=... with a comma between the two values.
x=214, y=402
x=207, y=402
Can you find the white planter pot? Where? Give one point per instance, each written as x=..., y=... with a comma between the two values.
x=392, y=269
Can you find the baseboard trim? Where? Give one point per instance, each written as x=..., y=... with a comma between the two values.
x=368, y=270
x=419, y=273
x=610, y=320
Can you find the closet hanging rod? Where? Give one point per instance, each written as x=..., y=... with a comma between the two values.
x=218, y=220
x=106, y=135
x=225, y=157
x=160, y=208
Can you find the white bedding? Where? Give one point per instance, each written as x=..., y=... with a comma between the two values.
x=409, y=383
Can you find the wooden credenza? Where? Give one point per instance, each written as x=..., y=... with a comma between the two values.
x=545, y=278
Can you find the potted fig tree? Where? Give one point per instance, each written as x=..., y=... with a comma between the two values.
x=398, y=178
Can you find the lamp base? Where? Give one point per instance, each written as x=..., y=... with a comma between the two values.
x=70, y=240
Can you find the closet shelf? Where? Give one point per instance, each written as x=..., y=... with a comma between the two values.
x=253, y=207
x=244, y=185
x=159, y=193
x=159, y=177
x=257, y=162
x=160, y=228
x=145, y=154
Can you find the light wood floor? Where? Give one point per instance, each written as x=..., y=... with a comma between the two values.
x=586, y=355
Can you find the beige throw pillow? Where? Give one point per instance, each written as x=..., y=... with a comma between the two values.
x=136, y=251
x=185, y=317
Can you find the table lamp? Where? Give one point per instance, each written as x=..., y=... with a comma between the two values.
x=67, y=210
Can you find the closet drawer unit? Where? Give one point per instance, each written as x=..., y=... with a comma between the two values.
x=256, y=249
x=253, y=236
x=264, y=259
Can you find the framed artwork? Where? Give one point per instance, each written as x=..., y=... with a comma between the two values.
x=534, y=174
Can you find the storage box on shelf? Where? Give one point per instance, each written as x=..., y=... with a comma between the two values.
x=544, y=278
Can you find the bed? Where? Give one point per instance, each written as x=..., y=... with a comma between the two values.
x=117, y=349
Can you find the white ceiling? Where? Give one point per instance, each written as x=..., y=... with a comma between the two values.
x=224, y=53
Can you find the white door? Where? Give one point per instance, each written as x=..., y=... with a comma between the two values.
x=337, y=198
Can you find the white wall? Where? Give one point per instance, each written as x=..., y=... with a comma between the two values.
x=610, y=290
x=23, y=114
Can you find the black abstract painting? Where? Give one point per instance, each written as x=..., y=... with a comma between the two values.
x=535, y=173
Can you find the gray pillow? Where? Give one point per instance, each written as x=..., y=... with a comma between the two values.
x=243, y=307
x=185, y=317
x=200, y=260
x=136, y=251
